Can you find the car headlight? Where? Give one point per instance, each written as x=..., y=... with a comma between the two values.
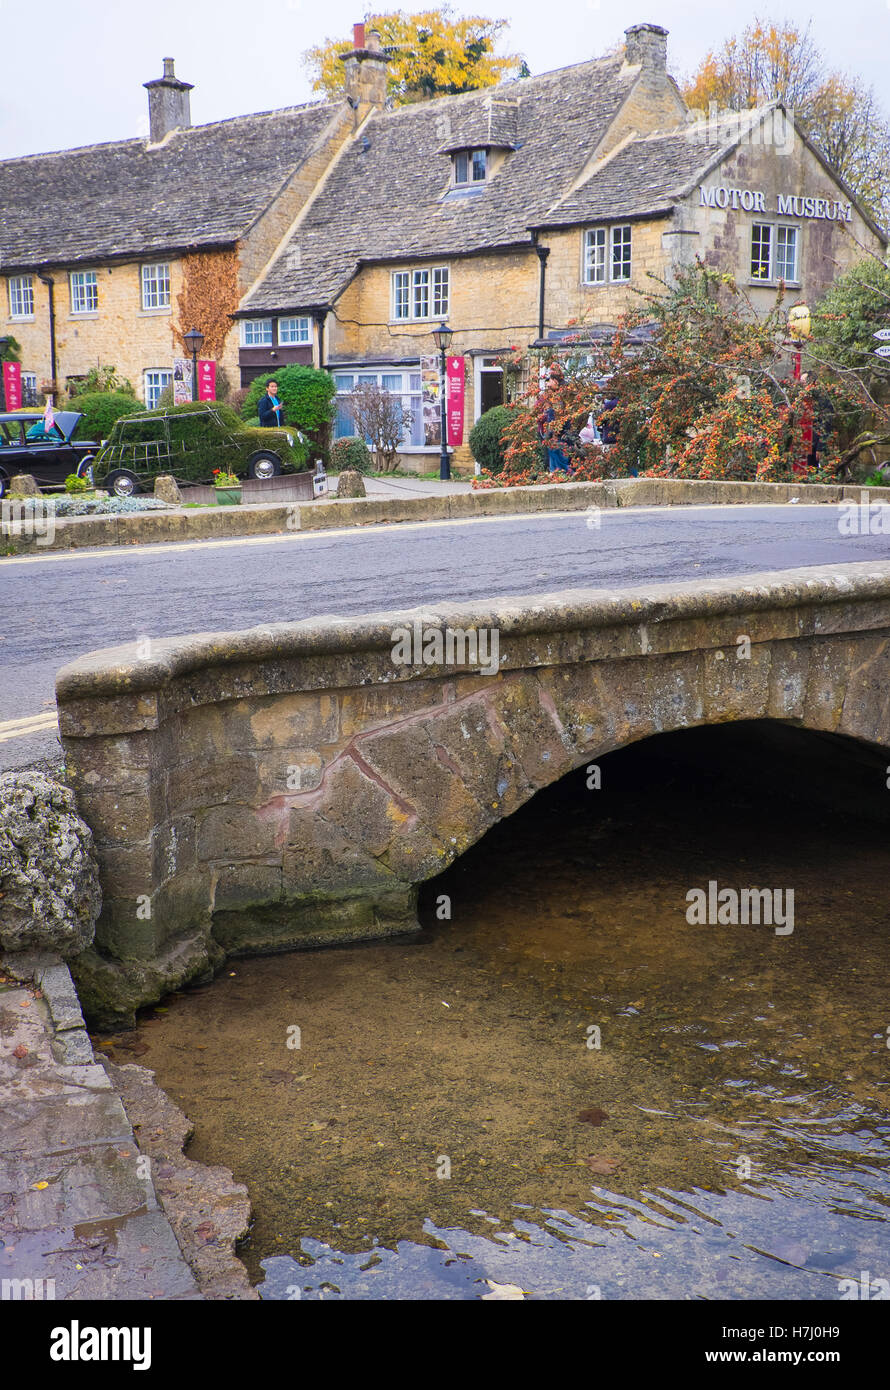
x=290, y=440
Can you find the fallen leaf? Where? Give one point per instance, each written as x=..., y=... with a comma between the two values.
x=597, y=1164
x=593, y=1116
x=503, y=1291
x=39, y=1186
x=20, y=1051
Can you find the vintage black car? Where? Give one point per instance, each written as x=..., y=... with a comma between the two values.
x=26, y=446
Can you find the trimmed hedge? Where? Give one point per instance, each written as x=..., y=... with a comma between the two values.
x=485, y=438
x=350, y=453
x=306, y=393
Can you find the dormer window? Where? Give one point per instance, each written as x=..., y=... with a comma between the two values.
x=470, y=167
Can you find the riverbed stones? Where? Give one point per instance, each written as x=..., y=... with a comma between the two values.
x=49, y=877
x=350, y=484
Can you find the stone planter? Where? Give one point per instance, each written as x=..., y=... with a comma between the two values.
x=228, y=496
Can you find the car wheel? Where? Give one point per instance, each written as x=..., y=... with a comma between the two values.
x=264, y=465
x=85, y=468
x=120, y=482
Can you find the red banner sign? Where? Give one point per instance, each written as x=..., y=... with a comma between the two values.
x=12, y=385
x=206, y=381
x=454, y=375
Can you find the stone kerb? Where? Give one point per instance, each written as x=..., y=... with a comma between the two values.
x=291, y=785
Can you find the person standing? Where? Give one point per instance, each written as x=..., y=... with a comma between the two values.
x=271, y=410
x=554, y=440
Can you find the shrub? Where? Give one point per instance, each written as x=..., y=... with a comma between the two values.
x=350, y=453
x=99, y=379
x=486, y=443
x=306, y=393
x=101, y=409
x=75, y=484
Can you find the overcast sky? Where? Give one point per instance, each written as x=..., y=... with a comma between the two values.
x=73, y=69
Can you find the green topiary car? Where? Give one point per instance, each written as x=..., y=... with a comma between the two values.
x=189, y=442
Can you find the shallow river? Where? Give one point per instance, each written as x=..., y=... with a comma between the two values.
x=453, y=1121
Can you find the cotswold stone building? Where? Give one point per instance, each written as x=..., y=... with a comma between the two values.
x=508, y=213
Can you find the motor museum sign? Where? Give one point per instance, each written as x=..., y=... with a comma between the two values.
x=787, y=204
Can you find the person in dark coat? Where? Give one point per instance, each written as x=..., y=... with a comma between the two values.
x=271, y=410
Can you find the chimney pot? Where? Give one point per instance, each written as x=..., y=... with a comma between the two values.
x=168, y=67
x=358, y=35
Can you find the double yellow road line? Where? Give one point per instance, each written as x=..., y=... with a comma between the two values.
x=32, y=724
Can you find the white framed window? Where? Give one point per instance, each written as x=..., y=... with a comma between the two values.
x=155, y=383
x=761, y=251
x=405, y=384
x=786, y=253
x=470, y=166
x=84, y=289
x=21, y=296
x=607, y=254
x=256, y=332
x=29, y=388
x=595, y=256
x=156, y=286
x=621, y=252
x=775, y=252
x=294, y=331
x=421, y=294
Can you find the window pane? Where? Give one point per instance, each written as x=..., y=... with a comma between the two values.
x=156, y=286
x=440, y=292
x=343, y=382
x=461, y=167
x=478, y=166
x=400, y=281
x=293, y=330
x=786, y=253
x=595, y=256
x=392, y=382
x=421, y=294
x=761, y=240
x=84, y=292
x=21, y=297
x=621, y=253
x=257, y=332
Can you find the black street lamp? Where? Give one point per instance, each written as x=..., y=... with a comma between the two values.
x=442, y=336
x=194, y=341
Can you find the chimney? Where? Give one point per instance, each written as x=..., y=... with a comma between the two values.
x=367, y=70
x=169, y=105
x=646, y=45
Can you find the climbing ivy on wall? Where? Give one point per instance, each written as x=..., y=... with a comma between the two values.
x=209, y=295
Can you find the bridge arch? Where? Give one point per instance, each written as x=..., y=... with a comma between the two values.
x=293, y=785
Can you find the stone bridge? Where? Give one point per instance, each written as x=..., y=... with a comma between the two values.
x=292, y=785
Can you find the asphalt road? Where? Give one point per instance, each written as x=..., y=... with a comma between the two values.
x=57, y=607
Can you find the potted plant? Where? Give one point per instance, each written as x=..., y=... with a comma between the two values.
x=227, y=488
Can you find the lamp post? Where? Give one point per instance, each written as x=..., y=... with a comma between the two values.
x=442, y=337
x=194, y=341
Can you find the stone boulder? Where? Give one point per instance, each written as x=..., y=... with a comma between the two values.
x=167, y=490
x=350, y=484
x=23, y=485
x=49, y=879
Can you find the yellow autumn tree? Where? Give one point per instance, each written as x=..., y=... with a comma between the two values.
x=430, y=54
x=778, y=61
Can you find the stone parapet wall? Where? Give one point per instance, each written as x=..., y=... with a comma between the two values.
x=292, y=785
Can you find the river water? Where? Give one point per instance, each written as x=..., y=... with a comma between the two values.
x=565, y=1088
